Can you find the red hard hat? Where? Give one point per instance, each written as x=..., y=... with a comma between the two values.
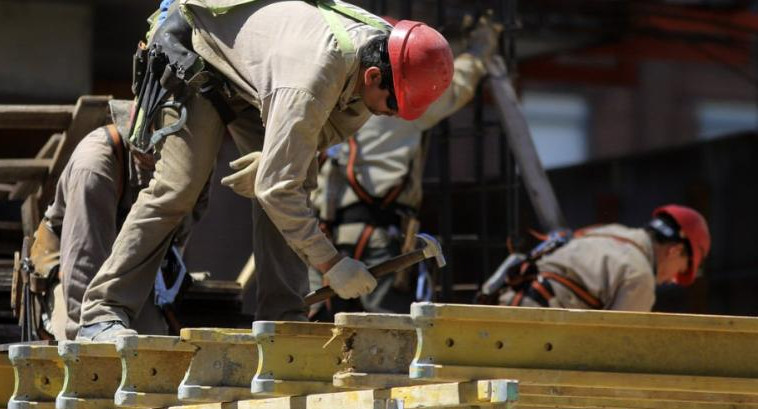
x=694, y=229
x=422, y=66
x=391, y=20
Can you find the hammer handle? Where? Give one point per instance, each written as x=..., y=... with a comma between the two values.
x=386, y=267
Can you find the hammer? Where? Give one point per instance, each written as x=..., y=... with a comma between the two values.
x=431, y=249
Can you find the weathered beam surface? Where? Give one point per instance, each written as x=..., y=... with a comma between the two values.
x=13, y=170
x=6, y=379
x=602, y=349
x=223, y=366
x=152, y=369
x=93, y=373
x=39, y=376
x=377, y=350
x=486, y=393
x=27, y=187
x=54, y=117
x=295, y=358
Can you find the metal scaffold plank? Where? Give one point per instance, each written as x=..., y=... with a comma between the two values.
x=6, y=378
x=223, y=366
x=39, y=376
x=377, y=350
x=295, y=358
x=152, y=369
x=93, y=373
x=486, y=393
x=598, y=349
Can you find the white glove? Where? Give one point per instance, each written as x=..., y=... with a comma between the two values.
x=243, y=181
x=350, y=278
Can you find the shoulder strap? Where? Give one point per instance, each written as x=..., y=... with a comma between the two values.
x=385, y=201
x=114, y=139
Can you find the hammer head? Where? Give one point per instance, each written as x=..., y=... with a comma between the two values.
x=432, y=248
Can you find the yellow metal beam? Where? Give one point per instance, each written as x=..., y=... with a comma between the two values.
x=6, y=379
x=39, y=376
x=295, y=358
x=587, y=348
x=377, y=350
x=93, y=373
x=152, y=369
x=223, y=366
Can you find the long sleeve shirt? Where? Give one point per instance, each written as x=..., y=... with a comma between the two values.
x=283, y=58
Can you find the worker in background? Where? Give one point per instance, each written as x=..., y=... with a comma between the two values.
x=613, y=267
x=370, y=187
x=311, y=72
x=93, y=196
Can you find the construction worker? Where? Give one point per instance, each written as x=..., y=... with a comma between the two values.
x=614, y=267
x=312, y=72
x=370, y=188
x=93, y=196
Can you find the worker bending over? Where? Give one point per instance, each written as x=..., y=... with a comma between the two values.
x=370, y=187
x=613, y=267
x=311, y=73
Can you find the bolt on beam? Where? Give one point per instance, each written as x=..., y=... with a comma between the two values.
x=93, y=373
x=39, y=376
x=223, y=366
x=295, y=358
x=153, y=368
x=377, y=350
x=600, y=349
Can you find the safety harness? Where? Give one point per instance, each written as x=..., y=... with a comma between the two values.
x=539, y=286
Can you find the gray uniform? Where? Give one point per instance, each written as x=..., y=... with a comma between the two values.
x=291, y=77
x=388, y=152
x=617, y=272
x=88, y=212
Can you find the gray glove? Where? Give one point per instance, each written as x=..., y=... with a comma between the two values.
x=484, y=38
x=243, y=181
x=350, y=278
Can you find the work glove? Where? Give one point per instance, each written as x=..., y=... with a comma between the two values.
x=484, y=37
x=243, y=181
x=350, y=278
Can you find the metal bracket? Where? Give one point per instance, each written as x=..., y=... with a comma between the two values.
x=93, y=373
x=223, y=366
x=295, y=358
x=153, y=368
x=39, y=376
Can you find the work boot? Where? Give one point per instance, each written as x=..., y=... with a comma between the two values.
x=106, y=331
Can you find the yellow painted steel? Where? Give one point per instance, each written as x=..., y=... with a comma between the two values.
x=39, y=376
x=93, y=373
x=377, y=350
x=295, y=358
x=596, y=349
x=223, y=366
x=152, y=369
x=6, y=379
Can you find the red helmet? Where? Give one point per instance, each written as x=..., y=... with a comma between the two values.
x=422, y=66
x=694, y=229
x=391, y=20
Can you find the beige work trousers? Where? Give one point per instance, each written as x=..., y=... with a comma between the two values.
x=123, y=284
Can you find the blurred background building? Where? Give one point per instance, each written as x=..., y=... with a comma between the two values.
x=632, y=104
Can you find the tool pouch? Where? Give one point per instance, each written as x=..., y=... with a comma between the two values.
x=45, y=255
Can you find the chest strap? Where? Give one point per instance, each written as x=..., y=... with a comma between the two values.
x=382, y=203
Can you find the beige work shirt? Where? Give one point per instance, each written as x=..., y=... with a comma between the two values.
x=389, y=148
x=282, y=57
x=618, y=273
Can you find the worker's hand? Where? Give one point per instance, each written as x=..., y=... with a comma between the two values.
x=350, y=278
x=243, y=181
x=484, y=38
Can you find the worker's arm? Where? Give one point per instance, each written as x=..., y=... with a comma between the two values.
x=287, y=171
x=468, y=71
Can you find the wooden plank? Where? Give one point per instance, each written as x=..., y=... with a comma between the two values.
x=14, y=170
x=30, y=217
x=89, y=113
x=520, y=142
x=14, y=226
x=23, y=189
x=35, y=116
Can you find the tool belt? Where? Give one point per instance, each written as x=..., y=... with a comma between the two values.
x=540, y=290
x=165, y=73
